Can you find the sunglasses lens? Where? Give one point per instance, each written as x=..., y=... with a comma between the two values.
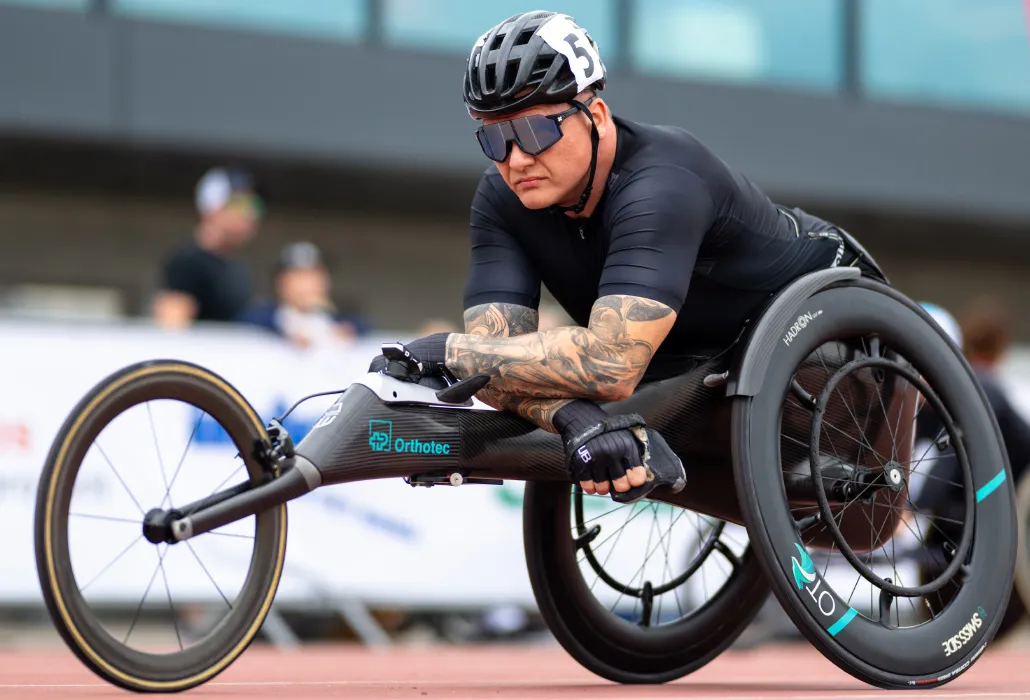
x=494, y=141
x=536, y=133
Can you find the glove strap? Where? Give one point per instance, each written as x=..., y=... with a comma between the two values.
x=607, y=425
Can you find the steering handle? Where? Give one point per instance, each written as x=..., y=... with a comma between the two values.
x=464, y=390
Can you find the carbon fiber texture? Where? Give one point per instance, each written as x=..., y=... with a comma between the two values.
x=693, y=418
x=776, y=317
x=371, y=440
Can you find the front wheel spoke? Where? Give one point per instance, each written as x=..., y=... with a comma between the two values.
x=119, y=477
x=146, y=592
x=171, y=606
x=230, y=534
x=108, y=518
x=112, y=563
x=226, y=479
x=178, y=468
x=209, y=576
x=160, y=459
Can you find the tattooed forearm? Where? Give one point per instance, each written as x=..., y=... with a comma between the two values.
x=502, y=321
x=602, y=362
x=539, y=412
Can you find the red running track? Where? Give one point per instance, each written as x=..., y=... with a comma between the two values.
x=795, y=671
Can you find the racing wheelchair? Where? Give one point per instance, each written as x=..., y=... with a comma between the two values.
x=800, y=435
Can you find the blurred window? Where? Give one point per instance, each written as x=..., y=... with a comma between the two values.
x=51, y=4
x=321, y=18
x=947, y=51
x=784, y=42
x=456, y=24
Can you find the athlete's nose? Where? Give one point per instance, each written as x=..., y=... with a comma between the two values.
x=519, y=158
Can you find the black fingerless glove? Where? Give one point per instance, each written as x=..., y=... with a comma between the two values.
x=606, y=456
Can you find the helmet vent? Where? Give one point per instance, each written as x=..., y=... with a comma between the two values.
x=524, y=37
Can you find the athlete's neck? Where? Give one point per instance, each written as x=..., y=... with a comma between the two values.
x=605, y=160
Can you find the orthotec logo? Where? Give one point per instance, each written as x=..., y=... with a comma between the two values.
x=381, y=439
x=804, y=572
x=380, y=435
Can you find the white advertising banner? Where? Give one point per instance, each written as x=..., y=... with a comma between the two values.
x=379, y=541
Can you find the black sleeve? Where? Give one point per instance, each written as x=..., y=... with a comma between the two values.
x=499, y=271
x=180, y=274
x=658, y=220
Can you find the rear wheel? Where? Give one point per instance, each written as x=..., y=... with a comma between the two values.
x=640, y=593
x=837, y=412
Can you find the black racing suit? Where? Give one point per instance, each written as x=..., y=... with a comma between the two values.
x=674, y=224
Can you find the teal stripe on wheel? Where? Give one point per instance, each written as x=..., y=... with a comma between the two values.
x=842, y=622
x=988, y=488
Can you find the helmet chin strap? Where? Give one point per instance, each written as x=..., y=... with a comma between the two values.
x=595, y=138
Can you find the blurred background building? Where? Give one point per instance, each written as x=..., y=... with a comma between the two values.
x=906, y=122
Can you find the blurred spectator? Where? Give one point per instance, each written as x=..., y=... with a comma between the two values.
x=203, y=280
x=986, y=332
x=987, y=338
x=983, y=335
x=303, y=311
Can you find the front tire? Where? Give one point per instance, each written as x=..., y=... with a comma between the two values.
x=76, y=621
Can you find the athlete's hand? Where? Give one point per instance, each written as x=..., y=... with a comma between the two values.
x=422, y=357
x=611, y=458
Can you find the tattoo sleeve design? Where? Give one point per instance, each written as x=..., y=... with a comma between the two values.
x=603, y=362
x=504, y=321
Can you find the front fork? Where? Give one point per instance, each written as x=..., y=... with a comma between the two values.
x=288, y=476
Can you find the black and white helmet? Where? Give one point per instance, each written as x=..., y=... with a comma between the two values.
x=530, y=59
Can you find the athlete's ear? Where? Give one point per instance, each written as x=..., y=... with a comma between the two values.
x=602, y=116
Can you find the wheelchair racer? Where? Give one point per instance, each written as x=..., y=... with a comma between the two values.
x=656, y=248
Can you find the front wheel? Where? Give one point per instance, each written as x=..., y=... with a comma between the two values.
x=146, y=617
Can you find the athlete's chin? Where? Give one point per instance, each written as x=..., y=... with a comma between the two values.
x=536, y=198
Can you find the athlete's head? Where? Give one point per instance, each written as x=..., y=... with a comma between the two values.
x=532, y=79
